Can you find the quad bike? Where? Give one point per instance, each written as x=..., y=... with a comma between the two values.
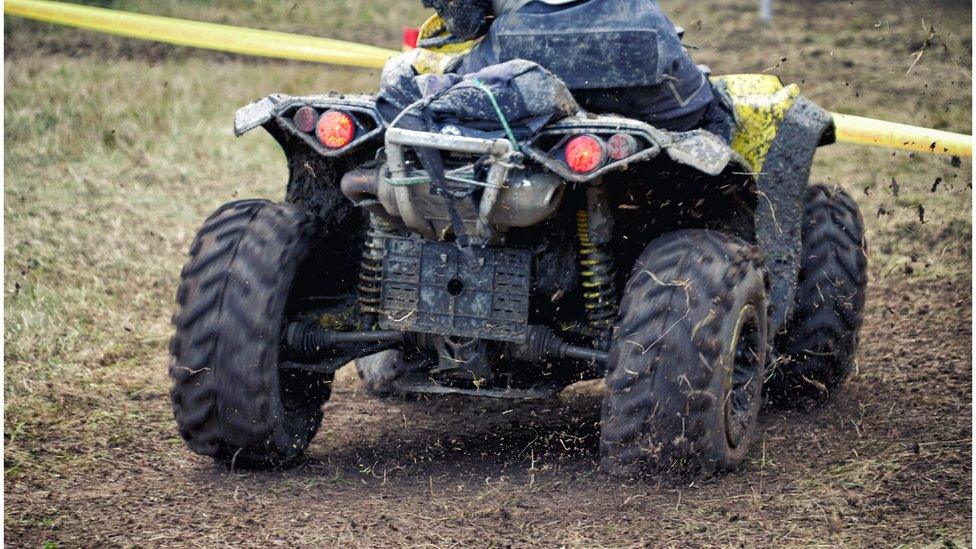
x=693, y=277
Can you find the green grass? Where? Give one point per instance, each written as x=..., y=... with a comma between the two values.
x=374, y=22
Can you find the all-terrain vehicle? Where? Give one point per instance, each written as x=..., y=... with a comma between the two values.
x=695, y=278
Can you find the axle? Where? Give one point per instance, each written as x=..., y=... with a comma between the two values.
x=310, y=341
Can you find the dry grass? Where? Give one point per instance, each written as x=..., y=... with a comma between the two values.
x=113, y=160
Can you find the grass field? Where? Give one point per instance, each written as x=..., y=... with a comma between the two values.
x=116, y=150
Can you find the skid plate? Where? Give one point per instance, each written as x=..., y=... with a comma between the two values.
x=438, y=288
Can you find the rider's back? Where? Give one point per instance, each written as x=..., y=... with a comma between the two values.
x=621, y=56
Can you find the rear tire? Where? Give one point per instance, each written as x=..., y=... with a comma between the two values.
x=687, y=357
x=817, y=348
x=229, y=397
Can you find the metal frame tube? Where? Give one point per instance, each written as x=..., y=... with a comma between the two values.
x=455, y=143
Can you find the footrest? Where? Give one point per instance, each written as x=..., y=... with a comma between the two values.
x=438, y=288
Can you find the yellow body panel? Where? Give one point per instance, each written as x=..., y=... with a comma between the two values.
x=761, y=102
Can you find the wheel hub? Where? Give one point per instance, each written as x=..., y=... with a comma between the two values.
x=744, y=395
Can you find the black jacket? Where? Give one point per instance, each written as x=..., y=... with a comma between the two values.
x=620, y=56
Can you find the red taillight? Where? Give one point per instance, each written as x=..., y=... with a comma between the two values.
x=335, y=129
x=585, y=153
x=621, y=145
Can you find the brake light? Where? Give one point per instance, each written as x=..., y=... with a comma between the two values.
x=621, y=145
x=335, y=129
x=585, y=153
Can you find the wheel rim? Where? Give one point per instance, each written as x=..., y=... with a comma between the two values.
x=743, y=396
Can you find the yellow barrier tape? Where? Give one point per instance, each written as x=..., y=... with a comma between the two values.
x=199, y=34
x=868, y=131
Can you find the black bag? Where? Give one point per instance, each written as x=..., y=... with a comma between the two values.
x=527, y=96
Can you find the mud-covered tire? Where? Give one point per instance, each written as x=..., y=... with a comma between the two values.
x=816, y=350
x=687, y=358
x=230, y=399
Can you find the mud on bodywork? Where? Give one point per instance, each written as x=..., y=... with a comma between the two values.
x=313, y=171
x=697, y=149
x=778, y=133
x=313, y=187
x=779, y=213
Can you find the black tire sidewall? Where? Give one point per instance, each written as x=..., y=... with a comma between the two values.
x=665, y=408
x=816, y=349
x=247, y=422
x=750, y=305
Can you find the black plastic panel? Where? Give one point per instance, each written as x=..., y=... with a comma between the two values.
x=439, y=288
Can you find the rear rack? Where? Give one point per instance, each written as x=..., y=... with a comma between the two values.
x=502, y=158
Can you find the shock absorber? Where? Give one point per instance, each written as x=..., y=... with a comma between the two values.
x=371, y=265
x=595, y=228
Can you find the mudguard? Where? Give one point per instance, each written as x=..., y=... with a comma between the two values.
x=785, y=175
x=697, y=149
x=313, y=171
x=255, y=114
x=777, y=132
x=278, y=109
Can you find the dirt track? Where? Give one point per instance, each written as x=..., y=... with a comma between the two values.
x=888, y=461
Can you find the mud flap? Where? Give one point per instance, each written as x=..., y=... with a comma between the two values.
x=779, y=211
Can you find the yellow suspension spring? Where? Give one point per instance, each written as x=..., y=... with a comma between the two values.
x=371, y=266
x=599, y=295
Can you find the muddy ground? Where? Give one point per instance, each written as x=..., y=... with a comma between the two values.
x=887, y=461
x=104, y=188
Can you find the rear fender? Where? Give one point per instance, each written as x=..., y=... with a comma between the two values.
x=697, y=149
x=276, y=112
x=784, y=177
x=314, y=172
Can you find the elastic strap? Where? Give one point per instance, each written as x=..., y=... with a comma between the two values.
x=498, y=111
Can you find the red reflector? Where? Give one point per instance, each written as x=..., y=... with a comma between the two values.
x=585, y=153
x=335, y=129
x=410, y=37
x=621, y=145
x=305, y=119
